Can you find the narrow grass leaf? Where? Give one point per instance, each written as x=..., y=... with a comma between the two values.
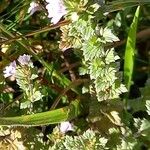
x=45, y=118
x=122, y=4
x=130, y=50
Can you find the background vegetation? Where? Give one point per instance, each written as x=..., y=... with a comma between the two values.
x=79, y=80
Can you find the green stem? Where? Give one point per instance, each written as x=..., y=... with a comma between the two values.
x=45, y=29
x=45, y=118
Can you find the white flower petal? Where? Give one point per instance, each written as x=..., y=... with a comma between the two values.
x=56, y=10
x=24, y=59
x=66, y=126
x=10, y=70
x=33, y=8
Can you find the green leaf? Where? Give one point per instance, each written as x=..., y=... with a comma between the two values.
x=122, y=4
x=110, y=56
x=44, y=118
x=130, y=51
x=36, y=95
x=139, y=104
x=145, y=127
x=92, y=48
x=89, y=140
x=148, y=106
x=25, y=104
x=108, y=35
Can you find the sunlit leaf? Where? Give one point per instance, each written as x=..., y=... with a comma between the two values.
x=130, y=51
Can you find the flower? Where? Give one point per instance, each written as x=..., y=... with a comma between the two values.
x=10, y=70
x=65, y=127
x=33, y=8
x=24, y=59
x=56, y=10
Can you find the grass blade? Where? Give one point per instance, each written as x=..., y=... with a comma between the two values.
x=130, y=50
x=122, y=4
x=45, y=118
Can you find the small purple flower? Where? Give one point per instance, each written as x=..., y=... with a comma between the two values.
x=10, y=70
x=56, y=10
x=66, y=126
x=24, y=59
x=33, y=8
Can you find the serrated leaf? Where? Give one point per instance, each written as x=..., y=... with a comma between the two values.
x=145, y=127
x=108, y=35
x=33, y=76
x=148, y=106
x=115, y=118
x=36, y=96
x=92, y=49
x=110, y=57
x=25, y=104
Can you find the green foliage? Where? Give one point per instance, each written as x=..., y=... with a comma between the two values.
x=100, y=63
x=89, y=140
x=75, y=75
x=118, y=138
x=25, y=77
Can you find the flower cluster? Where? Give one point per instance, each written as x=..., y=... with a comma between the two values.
x=11, y=69
x=24, y=59
x=56, y=10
